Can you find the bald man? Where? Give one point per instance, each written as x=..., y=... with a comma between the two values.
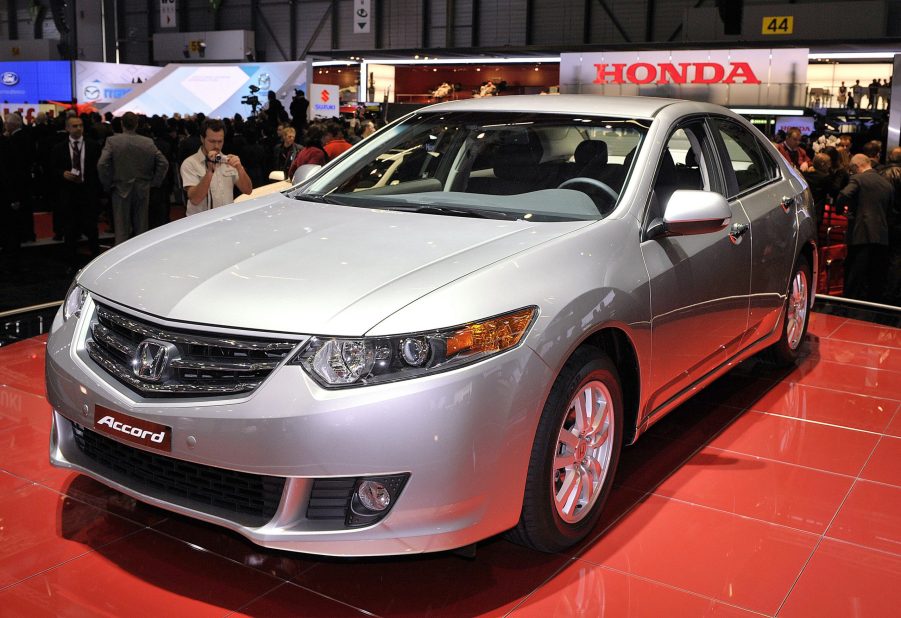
x=868, y=198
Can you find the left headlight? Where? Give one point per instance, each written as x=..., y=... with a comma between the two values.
x=343, y=362
x=75, y=298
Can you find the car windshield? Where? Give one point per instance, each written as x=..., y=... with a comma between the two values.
x=536, y=167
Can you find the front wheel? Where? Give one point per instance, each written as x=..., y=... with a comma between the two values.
x=574, y=455
x=797, y=314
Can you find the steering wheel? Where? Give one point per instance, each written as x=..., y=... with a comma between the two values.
x=590, y=181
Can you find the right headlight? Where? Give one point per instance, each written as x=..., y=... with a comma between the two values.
x=75, y=298
x=341, y=362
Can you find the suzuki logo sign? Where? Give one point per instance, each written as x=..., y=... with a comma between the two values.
x=681, y=73
x=324, y=96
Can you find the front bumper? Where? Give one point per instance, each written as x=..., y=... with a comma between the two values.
x=464, y=438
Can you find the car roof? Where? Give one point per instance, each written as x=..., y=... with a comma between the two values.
x=632, y=107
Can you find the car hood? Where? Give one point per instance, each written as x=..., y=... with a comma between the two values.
x=290, y=266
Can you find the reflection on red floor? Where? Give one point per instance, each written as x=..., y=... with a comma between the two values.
x=772, y=493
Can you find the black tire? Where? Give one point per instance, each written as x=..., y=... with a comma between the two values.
x=541, y=526
x=787, y=350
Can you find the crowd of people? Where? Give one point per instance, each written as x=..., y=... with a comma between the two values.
x=127, y=172
x=878, y=93
x=864, y=184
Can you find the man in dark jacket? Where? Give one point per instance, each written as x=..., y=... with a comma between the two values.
x=821, y=183
x=868, y=198
x=299, y=107
x=892, y=173
x=74, y=171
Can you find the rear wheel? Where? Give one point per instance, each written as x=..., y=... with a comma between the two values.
x=797, y=314
x=574, y=456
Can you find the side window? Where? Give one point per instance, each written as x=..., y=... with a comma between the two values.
x=685, y=163
x=750, y=164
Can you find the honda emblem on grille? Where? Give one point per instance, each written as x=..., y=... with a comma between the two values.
x=152, y=359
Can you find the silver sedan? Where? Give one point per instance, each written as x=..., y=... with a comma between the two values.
x=447, y=333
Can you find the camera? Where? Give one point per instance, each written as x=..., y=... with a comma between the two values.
x=252, y=99
x=219, y=158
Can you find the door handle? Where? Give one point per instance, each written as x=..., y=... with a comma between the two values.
x=787, y=203
x=737, y=231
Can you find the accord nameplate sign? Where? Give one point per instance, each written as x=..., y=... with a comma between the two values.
x=131, y=429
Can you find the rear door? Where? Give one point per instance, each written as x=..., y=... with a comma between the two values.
x=754, y=180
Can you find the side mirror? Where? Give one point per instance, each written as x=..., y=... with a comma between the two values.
x=692, y=212
x=277, y=176
x=304, y=171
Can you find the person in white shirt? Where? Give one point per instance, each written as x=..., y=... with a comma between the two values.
x=210, y=176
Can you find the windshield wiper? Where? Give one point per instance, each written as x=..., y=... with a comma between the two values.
x=431, y=209
x=322, y=198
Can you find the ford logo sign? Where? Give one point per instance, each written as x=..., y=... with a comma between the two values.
x=9, y=78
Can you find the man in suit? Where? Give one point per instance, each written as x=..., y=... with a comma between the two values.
x=129, y=165
x=74, y=168
x=21, y=145
x=868, y=197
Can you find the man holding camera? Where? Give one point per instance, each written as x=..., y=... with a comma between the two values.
x=209, y=176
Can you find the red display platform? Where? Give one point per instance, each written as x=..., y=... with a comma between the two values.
x=771, y=493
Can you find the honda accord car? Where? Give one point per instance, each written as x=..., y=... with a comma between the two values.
x=354, y=367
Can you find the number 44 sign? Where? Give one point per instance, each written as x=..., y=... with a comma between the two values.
x=362, y=16
x=782, y=24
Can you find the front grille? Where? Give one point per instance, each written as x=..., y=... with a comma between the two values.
x=197, y=364
x=252, y=498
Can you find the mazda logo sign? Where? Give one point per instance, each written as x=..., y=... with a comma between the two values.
x=9, y=78
x=91, y=93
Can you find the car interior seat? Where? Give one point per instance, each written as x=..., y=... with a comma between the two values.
x=689, y=175
x=517, y=168
x=590, y=158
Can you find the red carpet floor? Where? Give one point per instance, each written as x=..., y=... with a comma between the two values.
x=774, y=494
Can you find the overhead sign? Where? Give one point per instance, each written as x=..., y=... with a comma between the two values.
x=362, y=16
x=101, y=83
x=33, y=82
x=723, y=76
x=782, y=24
x=217, y=90
x=167, y=14
x=324, y=101
x=669, y=73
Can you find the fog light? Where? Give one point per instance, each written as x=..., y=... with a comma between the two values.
x=372, y=498
x=373, y=495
